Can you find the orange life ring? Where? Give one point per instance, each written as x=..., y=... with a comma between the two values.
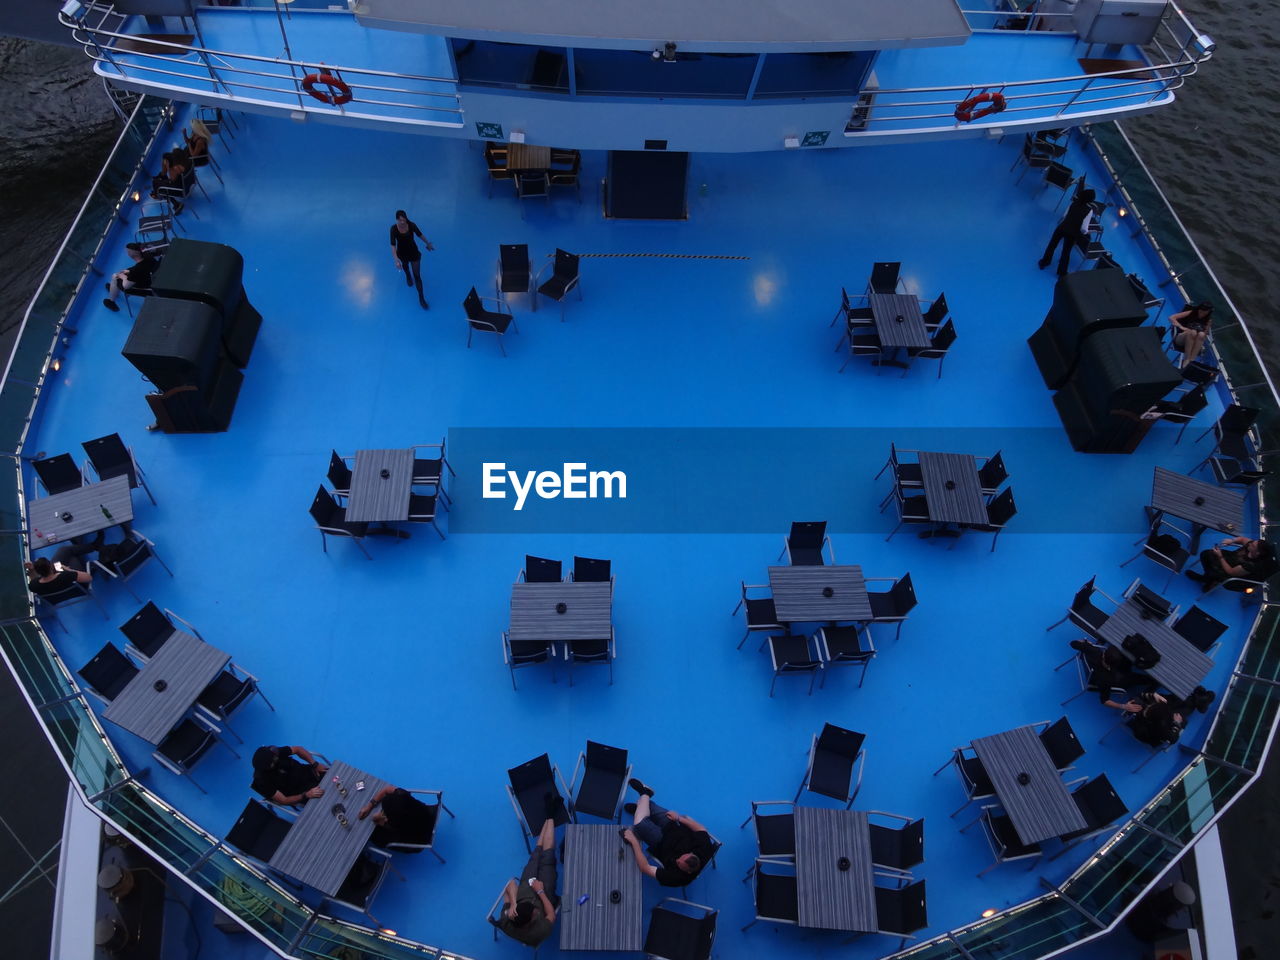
x=338, y=92
x=965, y=111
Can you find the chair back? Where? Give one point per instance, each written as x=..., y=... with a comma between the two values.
x=901, y=911
x=1098, y=802
x=108, y=672
x=808, y=534
x=186, y=744
x=339, y=472
x=532, y=774
x=1237, y=419
x=566, y=265
x=148, y=629
x=513, y=259
x=884, y=276
x=1061, y=743
x=937, y=311
x=1083, y=600
x=58, y=474
x=325, y=510
x=131, y=555
x=72, y=591
x=1199, y=629
x=1149, y=600
x=676, y=935
x=841, y=742
x=608, y=759
x=586, y=570
x=472, y=305
x=521, y=652
x=903, y=595
x=1002, y=509
x=898, y=849
x=1058, y=175
x=993, y=472
x=258, y=831
x=532, y=184
x=538, y=570
x=110, y=458
x=945, y=336
x=1193, y=401
x=777, y=897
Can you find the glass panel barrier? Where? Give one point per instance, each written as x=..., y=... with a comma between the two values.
x=1124, y=866
x=1026, y=932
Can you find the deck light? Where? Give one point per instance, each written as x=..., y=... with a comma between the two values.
x=1122, y=211
x=136, y=196
x=57, y=364
x=989, y=912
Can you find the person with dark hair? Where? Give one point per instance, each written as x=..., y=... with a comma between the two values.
x=1072, y=230
x=681, y=845
x=174, y=167
x=1251, y=560
x=1159, y=719
x=529, y=910
x=1191, y=330
x=1109, y=669
x=405, y=252
x=135, y=278
x=403, y=818
x=67, y=567
x=284, y=780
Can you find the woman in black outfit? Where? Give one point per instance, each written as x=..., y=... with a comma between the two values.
x=405, y=252
x=1191, y=329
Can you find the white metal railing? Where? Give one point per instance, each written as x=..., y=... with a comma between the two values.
x=167, y=65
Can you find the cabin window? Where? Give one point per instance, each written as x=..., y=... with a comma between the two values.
x=515, y=65
x=636, y=73
x=798, y=75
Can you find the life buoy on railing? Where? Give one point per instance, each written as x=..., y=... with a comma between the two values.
x=338, y=92
x=965, y=108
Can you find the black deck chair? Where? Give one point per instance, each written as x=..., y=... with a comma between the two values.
x=429, y=471
x=564, y=278
x=1084, y=613
x=999, y=512
x=992, y=473
x=1168, y=545
x=231, y=688
x=149, y=628
x=422, y=509
x=419, y=833
x=1149, y=600
x=108, y=673
x=258, y=831
x=1100, y=806
x=899, y=847
x=849, y=645
x=600, y=651
x=910, y=509
x=528, y=785
x=586, y=570
x=833, y=756
x=893, y=605
x=185, y=744
x=58, y=474
x=131, y=555
x=776, y=897
x=111, y=458
x=939, y=344
x=1003, y=839
x=364, y=881
x=525, y=653
x=789, y=653
x=514, y=271
x=1061, y=743
x=479, y=317
x=1232, y=432
x=775, y=832
x=1230, y=472
x=906, y=475
x=539, y=570
x=331, y=520
x=680, y=930
x=973, y=776
x=901, y=912
x=803, y=545
x=1183, y=410
x=936, y=313
x=339, y=474
x=605, y=773
x=885, y=277
x=1199, y=629
x=69, y=595
x=761, y=613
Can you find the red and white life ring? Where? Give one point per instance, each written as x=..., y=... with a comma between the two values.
x=965, y=109
x=338, y=92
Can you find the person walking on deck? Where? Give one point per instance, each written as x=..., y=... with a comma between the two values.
x=405, y=252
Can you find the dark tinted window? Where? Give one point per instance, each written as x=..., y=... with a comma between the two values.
x=518, y=65
x=813, y=74
x=636, y=73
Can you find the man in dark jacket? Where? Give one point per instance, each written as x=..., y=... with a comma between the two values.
x=1244, y=558
x=680, y=844
x=1072, y=230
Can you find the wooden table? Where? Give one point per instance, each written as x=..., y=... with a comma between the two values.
x=183, y=666
x=527, y=157
x=1206, y=505
x=318, y=850
x=799, y=594
x=898, y=323
x=1181, y=668
x=588, y=611
x=597, y=862
x=828, y=897
x=375, y=497
x=84, y=506
x=1041, y=808
x=952, y=489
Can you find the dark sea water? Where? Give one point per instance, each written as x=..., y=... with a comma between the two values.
x=1214, y=152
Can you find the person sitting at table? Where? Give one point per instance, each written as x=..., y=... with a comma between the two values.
x=135, y=278
x=1251, y=560
x=67, y=567
x=283, y=780
x=529, y=911
x=1109, y=669
x=1191, y=330
x=1159, y=719
x=680, y=844
x=403, y=817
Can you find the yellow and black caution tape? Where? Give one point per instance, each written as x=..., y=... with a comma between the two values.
x=669, y=256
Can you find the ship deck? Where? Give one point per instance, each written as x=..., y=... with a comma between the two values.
x=394, y=664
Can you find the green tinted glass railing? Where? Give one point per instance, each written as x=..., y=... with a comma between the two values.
x=1027, y=931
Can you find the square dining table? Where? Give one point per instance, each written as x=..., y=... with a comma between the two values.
x=75, y=513
x=1039, y=808
x=381, y=482
x=600, y=871
x=819, y=594
x=835, y=881
x=528, y=157
x=1181, y=667
x=157, y=699
x=318, y=850
x=952, y=489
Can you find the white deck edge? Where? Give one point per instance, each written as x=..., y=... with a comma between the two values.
x=1219, y=931
x=75, y=903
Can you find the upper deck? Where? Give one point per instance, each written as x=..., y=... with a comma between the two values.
x=684, y=329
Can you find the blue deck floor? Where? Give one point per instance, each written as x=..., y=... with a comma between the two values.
x=394, y=665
